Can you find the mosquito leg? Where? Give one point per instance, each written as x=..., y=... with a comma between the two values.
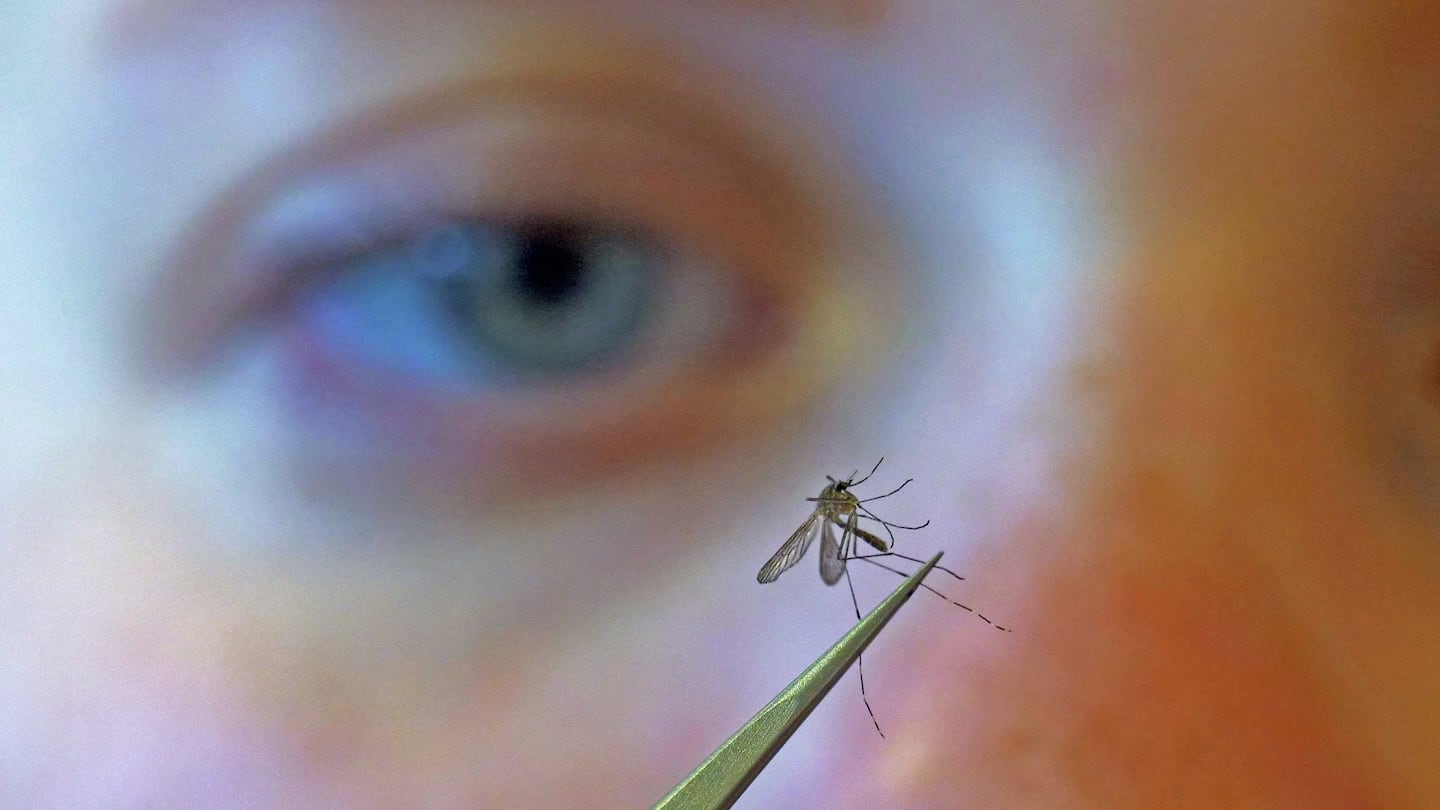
x=888, y=525
x=871, y=515
x=888, y=494
x=879, y=519
x=904, y=557
x=855, y=603
x=860, y=660
x=870, y=558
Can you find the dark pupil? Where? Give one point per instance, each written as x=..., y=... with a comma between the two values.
x=550, y=266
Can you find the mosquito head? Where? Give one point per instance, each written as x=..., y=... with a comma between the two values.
x=834, y=493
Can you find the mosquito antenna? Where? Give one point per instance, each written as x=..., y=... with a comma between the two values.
x=855, y=483
x=860, y=660
x=831, y=480
x=888, y=494
x=870, y=558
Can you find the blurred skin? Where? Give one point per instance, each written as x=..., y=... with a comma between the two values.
x=1148, y=305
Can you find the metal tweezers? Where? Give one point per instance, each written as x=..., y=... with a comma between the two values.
x=725, y=774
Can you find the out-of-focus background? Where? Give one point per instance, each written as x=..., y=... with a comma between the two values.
x=399, y=398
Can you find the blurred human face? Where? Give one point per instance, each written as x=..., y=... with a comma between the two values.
x=402, y=396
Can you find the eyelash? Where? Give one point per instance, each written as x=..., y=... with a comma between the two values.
x=714, y=209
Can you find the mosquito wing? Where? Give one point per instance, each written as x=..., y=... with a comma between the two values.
x=832, y=565
x=793, y=550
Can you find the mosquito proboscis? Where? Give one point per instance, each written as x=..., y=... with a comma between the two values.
x=838, y=507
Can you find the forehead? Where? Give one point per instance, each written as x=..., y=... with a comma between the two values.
x=128, y=24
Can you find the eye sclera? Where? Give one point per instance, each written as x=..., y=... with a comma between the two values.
x=587, y=156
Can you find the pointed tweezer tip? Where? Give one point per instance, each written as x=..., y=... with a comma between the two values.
x=725, y=774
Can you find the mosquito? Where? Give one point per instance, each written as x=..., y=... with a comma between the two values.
x=838, y=507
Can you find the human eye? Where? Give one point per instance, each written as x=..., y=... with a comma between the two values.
x=471, y=303
x=532, y=279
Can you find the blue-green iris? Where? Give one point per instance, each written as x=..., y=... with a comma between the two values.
x=486, y=299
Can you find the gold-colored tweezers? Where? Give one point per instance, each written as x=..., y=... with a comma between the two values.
x=725, y=774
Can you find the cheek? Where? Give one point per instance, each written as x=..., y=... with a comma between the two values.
x=1136, y=673
x=1170, y=580
x=121, y=686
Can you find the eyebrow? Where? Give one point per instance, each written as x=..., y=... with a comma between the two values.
x=136, y=25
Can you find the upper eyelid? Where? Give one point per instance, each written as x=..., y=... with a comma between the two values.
x=661, y=106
